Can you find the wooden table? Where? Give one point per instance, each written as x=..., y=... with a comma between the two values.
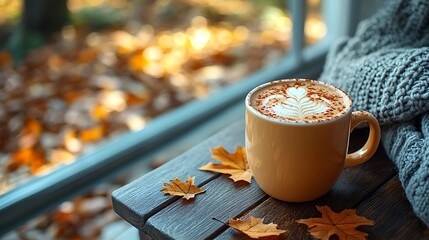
x=373, y=189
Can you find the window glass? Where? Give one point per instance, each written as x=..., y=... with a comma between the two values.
x=314, y=28
x=122, y=63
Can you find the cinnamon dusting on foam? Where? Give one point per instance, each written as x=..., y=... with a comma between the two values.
x=300, y=101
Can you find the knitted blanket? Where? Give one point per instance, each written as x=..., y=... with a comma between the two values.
x=385, y=69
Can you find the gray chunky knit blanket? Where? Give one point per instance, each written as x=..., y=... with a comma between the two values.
x=385, y=69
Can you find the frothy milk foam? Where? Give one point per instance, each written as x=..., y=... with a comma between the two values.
x=300, y=101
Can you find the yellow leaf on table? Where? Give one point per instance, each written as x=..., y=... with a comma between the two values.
x=255, y=227
x=342, y=224
x=185, y=189
x=234, y=164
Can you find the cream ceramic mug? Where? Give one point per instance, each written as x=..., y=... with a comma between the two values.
x=297, y=135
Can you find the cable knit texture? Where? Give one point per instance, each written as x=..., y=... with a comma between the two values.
x=385, y=69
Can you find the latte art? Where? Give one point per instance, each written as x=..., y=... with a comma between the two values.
x=300, y=101
x=297, y=105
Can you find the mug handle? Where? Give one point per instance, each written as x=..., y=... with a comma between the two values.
x=365, y=153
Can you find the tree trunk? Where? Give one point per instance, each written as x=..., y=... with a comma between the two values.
x=45, y=16
x=40, y=18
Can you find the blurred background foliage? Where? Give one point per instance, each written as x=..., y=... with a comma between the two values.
x=28, y=24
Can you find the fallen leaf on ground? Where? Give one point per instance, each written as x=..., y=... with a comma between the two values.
x=342, y=224
x=72, y=96
x=71, y=142
x=254, y=227
x=87, y=55
x=5, y=58
x=30, y=134
x=32, y=126
x=27, y=156
x=185, y=189
x=99, y=112
x=234, y=164
x=92, y=134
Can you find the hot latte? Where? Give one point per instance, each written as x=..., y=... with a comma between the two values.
x=300, y=101
x=297, y=135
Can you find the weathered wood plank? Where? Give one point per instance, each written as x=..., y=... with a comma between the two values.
x=354, y=185
x=137, y=201
x=165, y=217
x=224, y=199
x=392, y=214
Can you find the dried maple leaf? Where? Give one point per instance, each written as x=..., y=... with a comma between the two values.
x=342, y=224
x=185, y=189
x=233, y=164
x=254, y=227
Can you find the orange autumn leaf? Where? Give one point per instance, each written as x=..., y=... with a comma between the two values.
x=255, y=227
x=185, y=189
x=72, y=96
x=342, y=224
x=137, y=62
x=27, y=157
x=32, y=126
x=30, y=133
x=87, y=55
x=5, y=58
x=234, y=164
x=91, y=134
x=99, y=112
x=134, y=99
x=56, y=62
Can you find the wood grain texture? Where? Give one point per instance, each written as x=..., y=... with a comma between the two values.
x=392, y=214
x=137, y=201
x=372, y=188
x=354, y=185
x=186, y=220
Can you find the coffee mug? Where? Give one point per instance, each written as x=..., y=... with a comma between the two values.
x=297, y=136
